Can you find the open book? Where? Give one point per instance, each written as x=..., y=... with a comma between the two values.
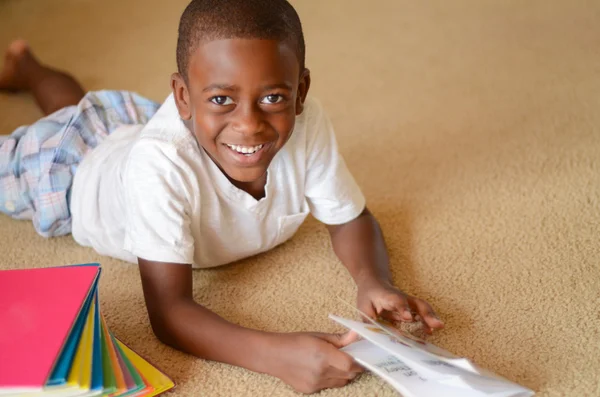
x=419, y=369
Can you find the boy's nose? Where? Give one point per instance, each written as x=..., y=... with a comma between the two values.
x=247, y=119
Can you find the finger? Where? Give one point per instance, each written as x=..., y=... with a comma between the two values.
x=333, y=372
x=430, y=320
x=392, y=316
x=426, y=328
x=428, y=317
x=369, y=310
x=334, y=383
x=348, y=338
x=396, y=303
x=334, y=339
x=338, y=340
x=343, y=361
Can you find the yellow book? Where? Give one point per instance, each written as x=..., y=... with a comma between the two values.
x=81, y=371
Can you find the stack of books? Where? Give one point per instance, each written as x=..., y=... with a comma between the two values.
x=54, y=340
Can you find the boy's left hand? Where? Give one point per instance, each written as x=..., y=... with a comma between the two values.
x=385, y=300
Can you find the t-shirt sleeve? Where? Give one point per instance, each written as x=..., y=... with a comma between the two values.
x=158, y=201
x=332, y=193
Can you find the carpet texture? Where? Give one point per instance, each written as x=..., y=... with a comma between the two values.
x=472, y=127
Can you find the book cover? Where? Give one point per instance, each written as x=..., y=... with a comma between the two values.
x=38, y=310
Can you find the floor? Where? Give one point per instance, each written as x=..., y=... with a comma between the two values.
x=471, y=126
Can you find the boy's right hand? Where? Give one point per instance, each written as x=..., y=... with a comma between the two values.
x=310, y=362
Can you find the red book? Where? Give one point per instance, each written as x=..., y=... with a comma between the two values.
x=38, y=308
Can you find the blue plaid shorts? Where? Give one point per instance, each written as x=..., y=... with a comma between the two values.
x=38, y=162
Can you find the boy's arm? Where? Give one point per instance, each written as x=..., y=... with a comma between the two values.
x=307, y=361
x=179, y=322
x=360, y=246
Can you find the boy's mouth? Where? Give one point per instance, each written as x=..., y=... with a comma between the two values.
x=247, y=156
x=246, y=150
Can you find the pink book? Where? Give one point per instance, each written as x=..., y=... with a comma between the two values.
x=38, y=308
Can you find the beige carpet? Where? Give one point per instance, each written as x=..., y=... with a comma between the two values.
x=473, y=128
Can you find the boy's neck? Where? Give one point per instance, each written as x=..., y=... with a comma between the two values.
x=255, y=188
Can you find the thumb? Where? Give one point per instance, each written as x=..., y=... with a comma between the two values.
x=349, y=337
x=339, y=340
x=368, y=310
x=397, y=306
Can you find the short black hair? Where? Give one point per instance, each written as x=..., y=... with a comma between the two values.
x=205, y=20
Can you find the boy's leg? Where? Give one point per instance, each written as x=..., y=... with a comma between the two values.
x=52, y=89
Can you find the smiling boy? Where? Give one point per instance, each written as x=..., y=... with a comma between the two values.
x=228, y=167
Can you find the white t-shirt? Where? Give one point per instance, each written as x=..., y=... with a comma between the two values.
x=157, y=195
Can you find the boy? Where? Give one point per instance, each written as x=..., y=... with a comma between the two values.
x=228, y=167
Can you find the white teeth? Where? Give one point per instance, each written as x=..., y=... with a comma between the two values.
x=245, y=149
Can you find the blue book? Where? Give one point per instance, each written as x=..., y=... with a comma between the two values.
x=97, y=374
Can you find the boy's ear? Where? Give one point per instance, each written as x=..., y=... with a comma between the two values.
x=303, y=86
x=182, y=96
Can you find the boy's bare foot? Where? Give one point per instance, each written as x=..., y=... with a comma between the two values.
x=52, y=89
x=18, y=57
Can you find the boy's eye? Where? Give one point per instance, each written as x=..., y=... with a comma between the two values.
x=272, y=99
x=221, y=100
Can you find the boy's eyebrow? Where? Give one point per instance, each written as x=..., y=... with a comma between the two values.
x=285, y=86
x=224, y=87
x=228, y=87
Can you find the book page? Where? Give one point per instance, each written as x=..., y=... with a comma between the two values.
x=436, y=368
x=432, y=366
x=400, y=375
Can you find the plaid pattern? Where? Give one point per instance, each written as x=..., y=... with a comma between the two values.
x=38, y=162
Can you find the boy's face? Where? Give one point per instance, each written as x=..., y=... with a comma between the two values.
x=241, y=102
